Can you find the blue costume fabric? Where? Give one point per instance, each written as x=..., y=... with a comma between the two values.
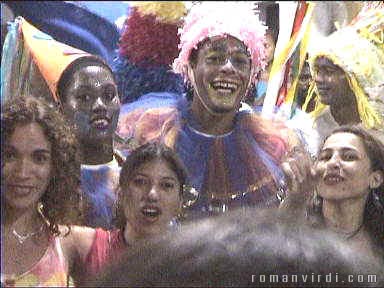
x=240, y=168
x=261, y=89
x=99, y=184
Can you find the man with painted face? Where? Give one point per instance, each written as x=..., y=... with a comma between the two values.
x=233, y=156
x=83, y=88
x=348, y=70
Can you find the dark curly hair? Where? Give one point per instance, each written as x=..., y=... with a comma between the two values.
x=374, y=207
x=62, y=201
x=139, y=156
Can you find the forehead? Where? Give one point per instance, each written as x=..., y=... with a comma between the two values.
x=157, y=167
x=343, y=140
x=223, y=43
x=90, y=72
x=29, y=136
x=324, y=62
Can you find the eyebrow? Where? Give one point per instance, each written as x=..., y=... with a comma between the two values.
x=343, y=149
x=162, y=177
x=42, y=150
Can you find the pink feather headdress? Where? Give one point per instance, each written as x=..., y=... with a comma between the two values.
x=210, y=19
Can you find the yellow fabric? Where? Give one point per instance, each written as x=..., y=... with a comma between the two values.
x=165, y=11
x=303, y=52
x=50, y=56
x=358, y=49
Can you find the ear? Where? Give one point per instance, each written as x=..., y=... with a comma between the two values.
x=191, y=75
x=376, y=179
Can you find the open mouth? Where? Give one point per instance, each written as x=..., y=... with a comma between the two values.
x=333, y=179
x=151, y=213
x=224, y=86
x=100, y=122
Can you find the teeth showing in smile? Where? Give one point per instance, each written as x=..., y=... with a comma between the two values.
x=224, y=86
x=333, y=179
x=150, y=212
x=100, y=123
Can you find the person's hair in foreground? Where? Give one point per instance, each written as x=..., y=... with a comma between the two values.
x=243, y=248
x=373, y=219
x=141, y=155
x=61, y=203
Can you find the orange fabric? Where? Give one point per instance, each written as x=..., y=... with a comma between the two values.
x=51, y=56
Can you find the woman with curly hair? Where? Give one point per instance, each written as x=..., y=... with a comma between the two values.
x=40, y=191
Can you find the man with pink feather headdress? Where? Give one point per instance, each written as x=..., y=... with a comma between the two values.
x=234, y=157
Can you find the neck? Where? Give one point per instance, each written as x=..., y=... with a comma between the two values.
x=130, y=234
x=264, y=74
x=344, y=216
x=97, y=153
x=346, y=113
x=212, y=123
x=22, y=220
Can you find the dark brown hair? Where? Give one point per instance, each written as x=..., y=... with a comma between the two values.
x=62, y=200
x=139, y=156
x=374, y=207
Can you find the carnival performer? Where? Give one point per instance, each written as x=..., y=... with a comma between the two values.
x=40, y=191
x=348, y=69
x=232, y=155
x=147, y=47
x=82, y=86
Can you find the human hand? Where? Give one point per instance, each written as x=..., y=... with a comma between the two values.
x=301, y=177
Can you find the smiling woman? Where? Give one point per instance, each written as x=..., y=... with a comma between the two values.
x=350, y=199
x=82, y=86
x=40, y=190
x=349, y=186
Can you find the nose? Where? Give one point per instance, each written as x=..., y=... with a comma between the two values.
x=153, y=194
x=23, y=169
x=227, y=67
x=99, y=105
x=334, y=162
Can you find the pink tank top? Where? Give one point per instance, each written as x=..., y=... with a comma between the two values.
x=50, y=271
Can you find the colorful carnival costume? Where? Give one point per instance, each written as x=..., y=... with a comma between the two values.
x=358, y=49
x=240, y=168
x=36, y=68
x=50, y=271
x=147, y=46
x=99, y=183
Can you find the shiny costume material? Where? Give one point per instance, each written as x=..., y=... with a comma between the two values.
x=240, y=168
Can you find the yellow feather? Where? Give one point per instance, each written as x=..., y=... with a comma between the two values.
x=165, y=11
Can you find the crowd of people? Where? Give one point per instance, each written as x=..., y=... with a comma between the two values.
x=194, y=187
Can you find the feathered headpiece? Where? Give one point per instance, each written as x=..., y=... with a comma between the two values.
x=206, y=20
x=359, y=50
x=147, y=47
